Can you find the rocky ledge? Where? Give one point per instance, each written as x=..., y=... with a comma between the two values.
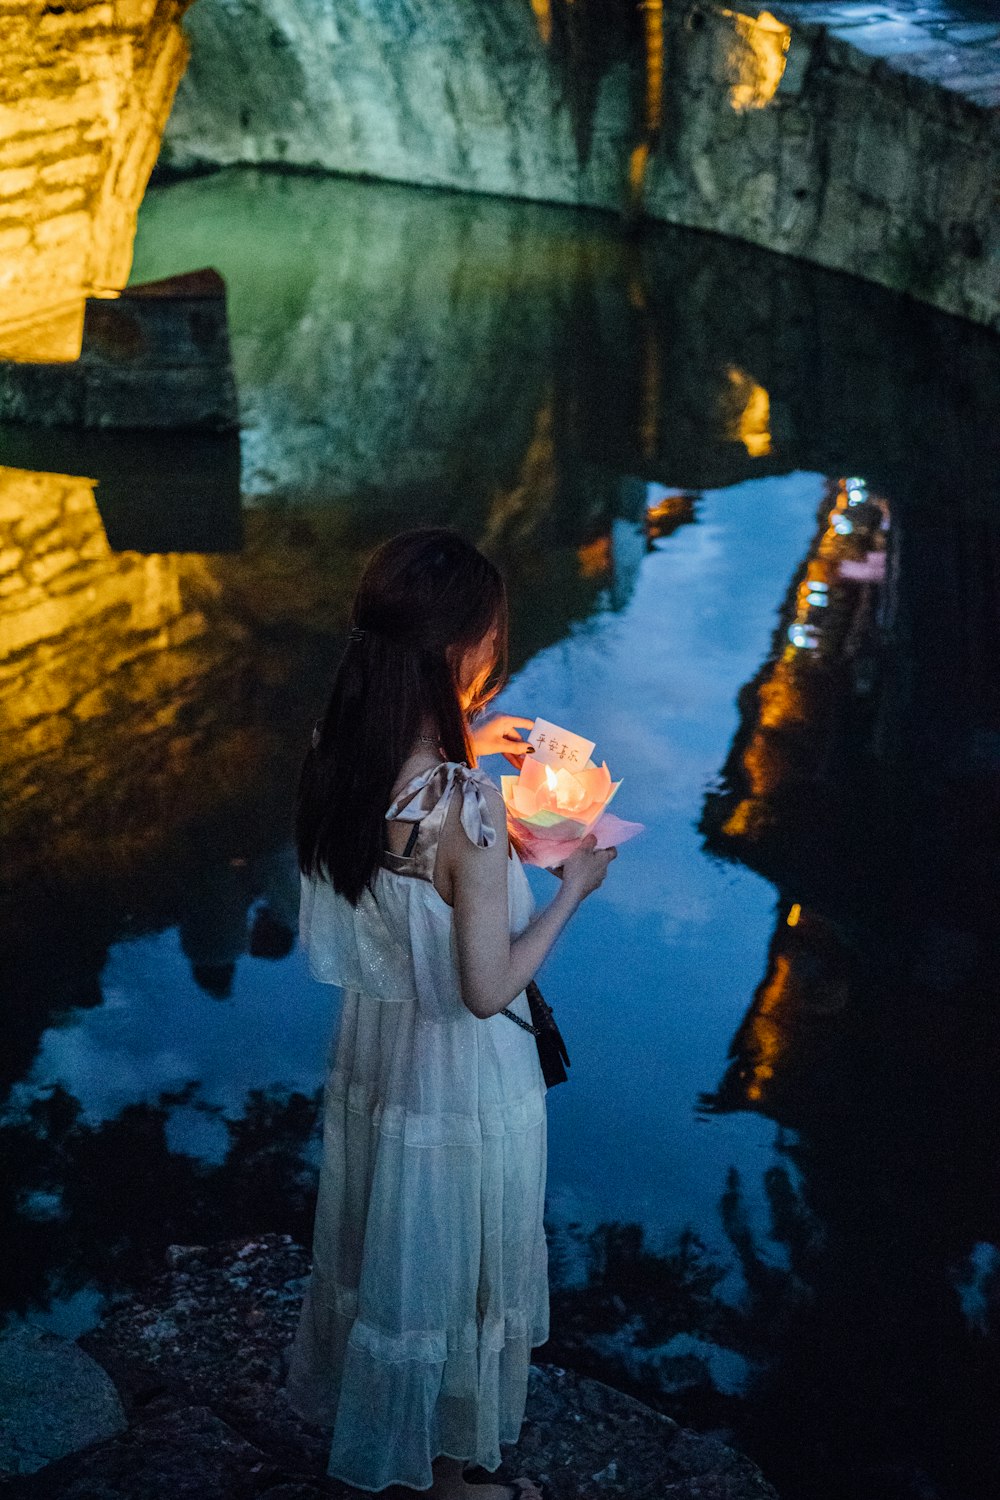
x=196, y=1359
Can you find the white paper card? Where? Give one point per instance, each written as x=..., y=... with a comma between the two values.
x=558, y=747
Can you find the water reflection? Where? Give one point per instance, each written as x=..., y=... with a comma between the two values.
x=776, y=1136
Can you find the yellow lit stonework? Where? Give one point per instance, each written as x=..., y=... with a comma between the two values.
x=652, y=17
x=758, y=58
x=543, y=19
x=652, y=14
x=85, y=91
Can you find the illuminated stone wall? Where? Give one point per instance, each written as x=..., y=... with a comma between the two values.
x=85, y=89
x=770, y=130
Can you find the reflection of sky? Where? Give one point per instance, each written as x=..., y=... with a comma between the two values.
x=157, y=1030
x=654, y=975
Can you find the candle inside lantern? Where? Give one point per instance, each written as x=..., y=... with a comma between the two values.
x=544, y=793
x=560, y=794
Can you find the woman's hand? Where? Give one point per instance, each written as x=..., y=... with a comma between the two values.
x=586, y=867
x=498, y=736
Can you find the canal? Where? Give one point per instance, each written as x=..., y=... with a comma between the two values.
x=748, y=512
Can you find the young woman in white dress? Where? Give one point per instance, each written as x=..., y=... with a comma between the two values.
x=429, y=1283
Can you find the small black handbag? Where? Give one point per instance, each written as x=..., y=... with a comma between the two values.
x=552, y=1052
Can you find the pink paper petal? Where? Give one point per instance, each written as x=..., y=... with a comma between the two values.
x=547, y=849
x=612, y=831
x=532, y=774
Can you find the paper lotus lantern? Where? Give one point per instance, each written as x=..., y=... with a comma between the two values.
x=560, y=796
x=547, y=796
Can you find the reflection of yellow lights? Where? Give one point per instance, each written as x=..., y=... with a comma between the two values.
x=758, y=57
x=765, y=1029
x=543, y=19
x=740, y=819
x=780, y=699
x=518, y=509
x=669, y=508
x=83, y=112
x=74, y=614
x=637, y=170
x=749, y=409
x=595, y=558
x=649, y=423
x=793, y=916
x=636, y=294
x=785, y=699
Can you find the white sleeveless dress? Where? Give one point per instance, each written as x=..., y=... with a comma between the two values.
x=429, y=1282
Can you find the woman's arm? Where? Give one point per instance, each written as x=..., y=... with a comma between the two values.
x=494, y=967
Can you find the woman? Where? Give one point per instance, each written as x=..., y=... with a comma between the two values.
x=429, y=1281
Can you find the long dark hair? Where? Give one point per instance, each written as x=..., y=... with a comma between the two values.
x=425, y=598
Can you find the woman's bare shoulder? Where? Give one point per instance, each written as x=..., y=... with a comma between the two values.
x=475, y=827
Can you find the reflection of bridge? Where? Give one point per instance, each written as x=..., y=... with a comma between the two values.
x=862, y=786
x=864, y=782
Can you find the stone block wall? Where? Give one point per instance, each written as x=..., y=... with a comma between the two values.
x=85, y=89
x=783, y=131
x=856, y=162
x=155, y=357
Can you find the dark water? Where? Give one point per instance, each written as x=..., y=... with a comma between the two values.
x=773, y=1202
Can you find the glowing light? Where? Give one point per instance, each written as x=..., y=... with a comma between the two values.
x=740, y=821
x=793, y=916
x=652, y=15
x=543, y=19
x=551, y=807
x=766, y=1030
x=652, y=11
x=789, y=698
x=758, y=58
x=748, y=419
x=594, y=558
x=669, y=511
x=543, y=795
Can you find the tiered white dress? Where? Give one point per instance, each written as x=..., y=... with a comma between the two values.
x=429, y=1283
